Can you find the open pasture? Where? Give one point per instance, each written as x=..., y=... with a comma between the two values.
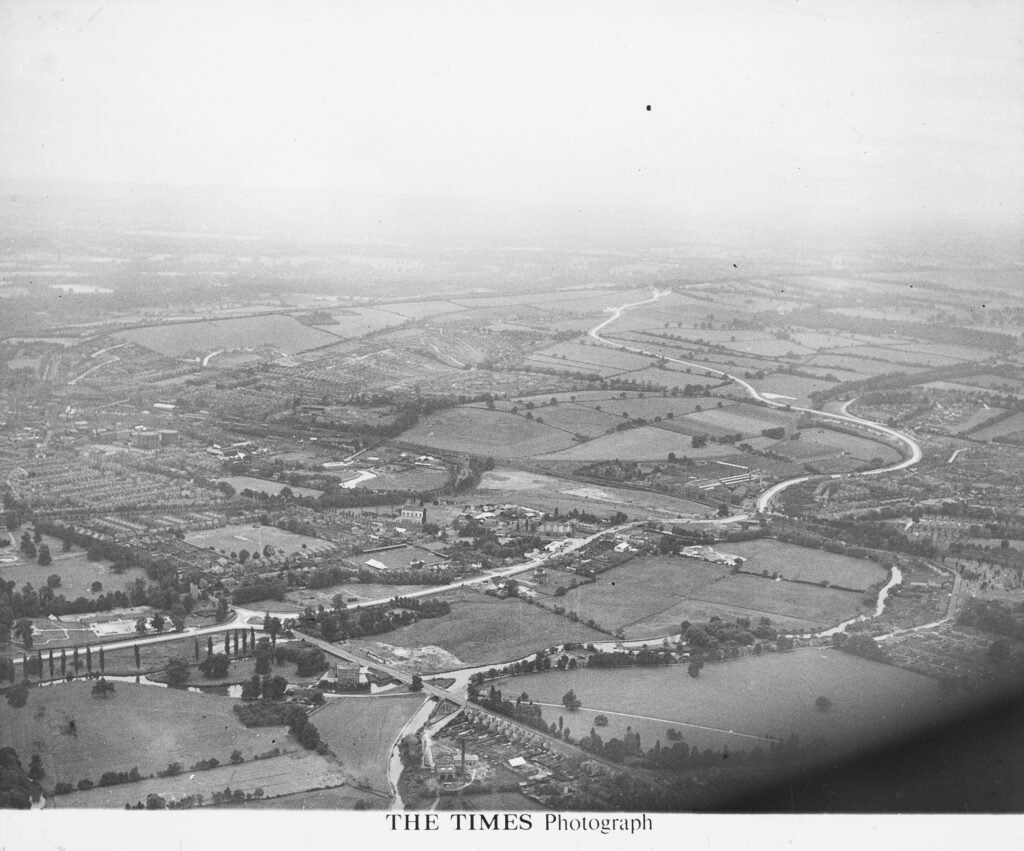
x=650, y=596
x=596, y=354
x=482, y=629
x=897, y=356
x=790, y=388
x=805, y=564
x=357, y=322
x=787, y=603
x=857, y=447
x=228, y=539
x=1011, y=425
x=576, y=419
x=651, y=406
x=360, y=731
x=772, y=695
x=484, y=432
x=646, y=443
x=139, y=725
x=419, y=309
x=290, y=773
x=747, y=420
x=284, y=333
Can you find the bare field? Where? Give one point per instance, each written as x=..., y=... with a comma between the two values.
x=547, y=493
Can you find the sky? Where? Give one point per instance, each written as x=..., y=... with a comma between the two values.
x=787, y=111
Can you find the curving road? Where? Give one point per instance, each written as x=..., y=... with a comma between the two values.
x=764, y=500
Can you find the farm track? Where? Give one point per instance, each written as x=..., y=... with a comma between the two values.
x=765, y=499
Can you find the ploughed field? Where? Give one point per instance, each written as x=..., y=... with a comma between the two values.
x=744, y=702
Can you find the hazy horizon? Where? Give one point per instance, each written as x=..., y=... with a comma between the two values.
x=785, y=117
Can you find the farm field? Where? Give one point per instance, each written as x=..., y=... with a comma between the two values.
x=287, y=774
x=138, y=726
x=651, y=406
x=359, y=321
x=815, y=442
x=548, y=492
x=789, y=604
x=360, y=731
x=808, y=565
x=646, y=443
x=771, y=695
x=578, y=419
x=484, y=432
x=790, y=388
x=480, y=630
x=650, y=596
x=281, y=332
x=241, y=483
x=233, y=538
x=747, y=420
x=637, y=594
x=987, y=381
x=1011, y=425
x=419, y=309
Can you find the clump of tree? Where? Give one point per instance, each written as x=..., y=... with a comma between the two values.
x=215, y=666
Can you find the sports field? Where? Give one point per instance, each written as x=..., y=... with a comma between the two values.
x=228, y=539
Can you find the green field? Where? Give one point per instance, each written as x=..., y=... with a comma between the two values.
x=288, y=774
x=649, y=597
x=140, y=725
x=772, y=695
x=646, y=443
x=483, y=432
x=281, y=332
x=816, y=441
x=793, y=562
x=482, y=629
x=360, y=732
